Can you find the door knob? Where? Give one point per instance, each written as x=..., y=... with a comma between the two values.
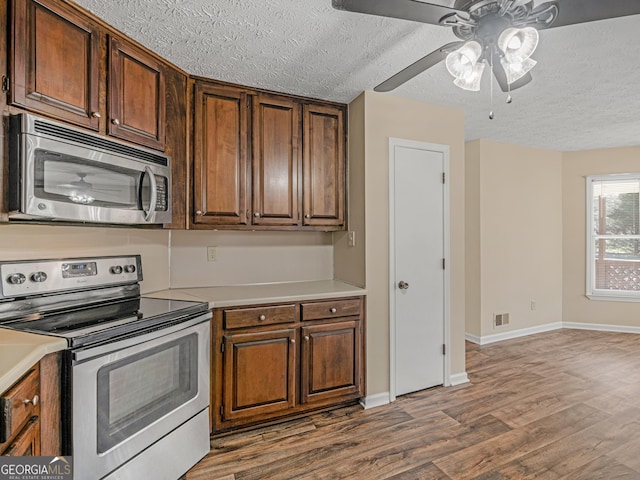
x=403, y=285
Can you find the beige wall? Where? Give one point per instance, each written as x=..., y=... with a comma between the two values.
x=473, y=317
x=387, y=116
x=350, y=262
x=249, y=257
x=576, y=166
x=515, y=243
x=29, y=242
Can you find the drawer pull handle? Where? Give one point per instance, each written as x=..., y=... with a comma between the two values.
x=333, y=310
x=262, y=317
x=34, y=400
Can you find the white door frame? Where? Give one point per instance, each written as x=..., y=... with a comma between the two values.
x=444, y=149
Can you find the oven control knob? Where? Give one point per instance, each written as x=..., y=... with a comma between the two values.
x=129, y=268
x=38, y=277
x=117, y=270
x=16, y=278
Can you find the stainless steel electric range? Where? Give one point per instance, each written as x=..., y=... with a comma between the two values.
x=136, y=372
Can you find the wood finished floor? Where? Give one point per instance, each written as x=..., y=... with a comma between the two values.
x=557, y=405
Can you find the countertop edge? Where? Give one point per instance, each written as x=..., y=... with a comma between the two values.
x=29, y=348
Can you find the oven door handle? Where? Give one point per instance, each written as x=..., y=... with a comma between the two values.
x=153, y=196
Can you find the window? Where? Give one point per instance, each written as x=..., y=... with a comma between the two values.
x=613, y=237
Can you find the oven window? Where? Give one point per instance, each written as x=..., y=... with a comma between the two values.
x=68, y=179
x=138, y=390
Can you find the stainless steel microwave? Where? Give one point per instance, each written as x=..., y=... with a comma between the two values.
x=57, y=172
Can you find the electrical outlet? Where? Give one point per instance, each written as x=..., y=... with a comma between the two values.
x=351, y=239
x=533, y=304
x=212, y=255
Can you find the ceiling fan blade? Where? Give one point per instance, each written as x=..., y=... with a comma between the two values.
x=403, y=9
x=521, y=82
x=581, y=11
x=418, y=67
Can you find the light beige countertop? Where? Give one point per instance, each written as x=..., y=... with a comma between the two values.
x=240, y=295
x=19, y=351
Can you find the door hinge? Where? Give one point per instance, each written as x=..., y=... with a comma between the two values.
x=222, y=348
x=444, y=349
x=222, y=412
x=444, y=263
x=5, y=84
x=444, y=177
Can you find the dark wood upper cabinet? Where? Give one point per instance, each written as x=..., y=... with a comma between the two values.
x=323, y=165
x=136, y=95
x=55, y=62
x=221, y=134
x=276, y=150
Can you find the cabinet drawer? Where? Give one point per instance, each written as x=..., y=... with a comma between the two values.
x=257, y=316
x=14, y=406
x=330, y=309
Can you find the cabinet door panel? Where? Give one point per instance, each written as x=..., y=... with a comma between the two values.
x=220, y=156
x=331, y=360
x=323, y=166
x=275, y=161
x=259, y=373
x=136, y=96
x=27, y=443
x=55, y=62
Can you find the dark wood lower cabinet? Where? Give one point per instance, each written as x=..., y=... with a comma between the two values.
x=27, y=443
x=277, y=361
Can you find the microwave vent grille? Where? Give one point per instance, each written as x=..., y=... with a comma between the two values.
x=98, y=142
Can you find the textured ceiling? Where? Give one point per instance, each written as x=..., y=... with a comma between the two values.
x=585, y=92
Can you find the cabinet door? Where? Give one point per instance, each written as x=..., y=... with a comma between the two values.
x=55, y=62
x=27, y=443
x=276, y=137
x=136, y=95
x=258, y=373
x=220, y=155
x=330, y=361
x=323, y=166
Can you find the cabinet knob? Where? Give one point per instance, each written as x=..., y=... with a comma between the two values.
x=198, y=212
x=33, y=400
x=256, y=214
x=96, y=115
x=262, y=317
x=306, y=337
x=333, y=310
x=293, y=340
x=307, y=216
x=115, y=121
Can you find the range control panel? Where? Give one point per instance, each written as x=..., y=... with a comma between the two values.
x=36, y=277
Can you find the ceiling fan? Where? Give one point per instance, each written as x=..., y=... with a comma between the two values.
x=500, y=33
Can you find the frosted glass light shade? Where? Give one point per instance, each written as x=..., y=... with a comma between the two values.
x=471, y=82
x=517, y=69
x=518, y=44
x=461, y=63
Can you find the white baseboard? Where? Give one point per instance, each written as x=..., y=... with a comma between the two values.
x=546, y=328
x=600, y=327
x=523, y=332
x=377, y=400
x=458, y=379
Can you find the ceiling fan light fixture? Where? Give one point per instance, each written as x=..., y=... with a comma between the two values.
x=517, y=69
x=471, y=82
x=462, y=62
x=518, y=44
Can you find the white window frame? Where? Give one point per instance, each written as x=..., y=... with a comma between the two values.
x=591, y=292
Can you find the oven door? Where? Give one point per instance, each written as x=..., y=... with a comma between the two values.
x=130, y=394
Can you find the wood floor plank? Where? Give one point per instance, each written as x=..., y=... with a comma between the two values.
x=560, y=404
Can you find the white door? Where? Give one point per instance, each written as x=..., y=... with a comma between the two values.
x=417, y=214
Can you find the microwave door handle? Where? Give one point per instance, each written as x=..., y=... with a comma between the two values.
x=154, y=193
